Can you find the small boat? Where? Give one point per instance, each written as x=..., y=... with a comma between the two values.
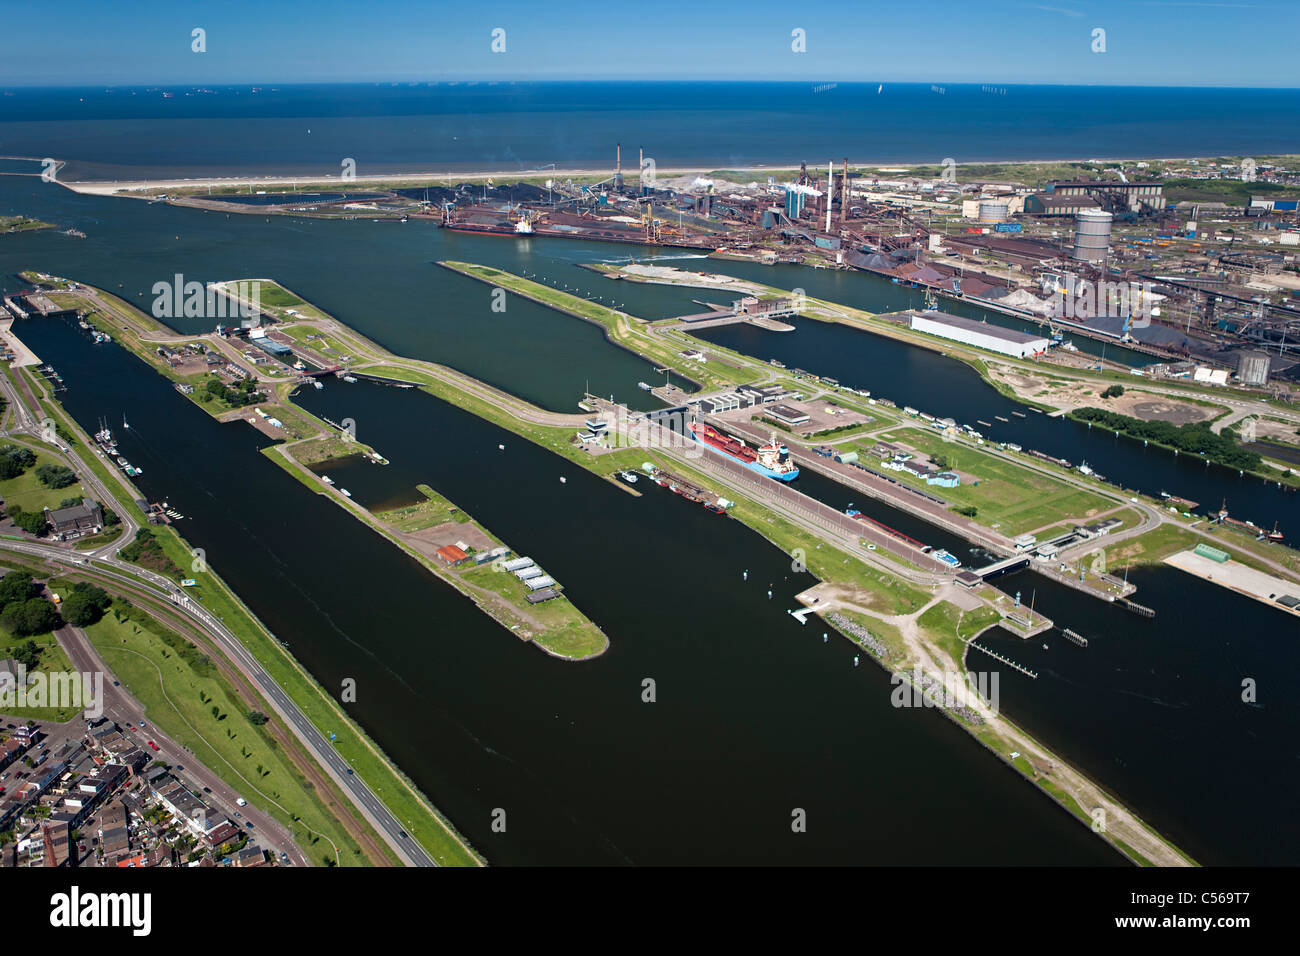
x=715, y=508
x=327, y=479
x=1274, y=535
x=643, y=386
x=346, y=493
x=628, y=476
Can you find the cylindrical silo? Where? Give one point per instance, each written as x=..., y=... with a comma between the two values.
x=1091, y=235
x=993, y=210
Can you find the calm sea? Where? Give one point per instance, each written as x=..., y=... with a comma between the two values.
x=127, y=133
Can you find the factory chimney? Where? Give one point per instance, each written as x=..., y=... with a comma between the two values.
x=830, y=190
x=844, y=194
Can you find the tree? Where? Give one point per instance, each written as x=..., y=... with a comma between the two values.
x=14, y=460
x=27, y=654
x=55, y=476
x=33, y=522
x=16, y=586
x=257, y=718
x=1115, y=391
x=33, y=616
x=81, y=609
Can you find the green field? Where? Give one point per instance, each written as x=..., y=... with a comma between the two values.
x=27, y=491
x=1011, y=498
x=51, y=658
x=185, y=695
x=950, y=628
x=568, y=632
x=433, y=510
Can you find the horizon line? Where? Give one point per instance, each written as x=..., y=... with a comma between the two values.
x=494, y=81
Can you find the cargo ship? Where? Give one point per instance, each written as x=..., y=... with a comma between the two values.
x=772, y=459
x=894, y=532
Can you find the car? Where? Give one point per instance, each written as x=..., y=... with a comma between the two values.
x=153, y=745
x=249, y=824
x=117, y=684
x=402, y=834
x=179, y=767
x=349, y=771
x=130, y=726
x=143, y=725
x=207, y=789
x=238, y=814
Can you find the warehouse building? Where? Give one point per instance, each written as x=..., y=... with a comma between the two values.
x=788, y=414
x=1116, y=196
x=984, y=335
x=1045, y=204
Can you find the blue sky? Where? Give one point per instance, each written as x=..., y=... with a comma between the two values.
x=1148, y=42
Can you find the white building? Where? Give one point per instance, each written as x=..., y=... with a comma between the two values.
x=983, y=335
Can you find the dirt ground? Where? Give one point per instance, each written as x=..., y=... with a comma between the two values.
x=1277, y=431
x=1134, y=403
x=449, y=532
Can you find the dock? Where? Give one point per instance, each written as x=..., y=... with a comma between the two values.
x=1005, y=660
x=1275, y=591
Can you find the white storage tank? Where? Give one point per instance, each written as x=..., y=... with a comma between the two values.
x=1091, y=235
x=993, y=210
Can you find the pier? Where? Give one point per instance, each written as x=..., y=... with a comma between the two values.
x=1005, y=660
x=1273, y=590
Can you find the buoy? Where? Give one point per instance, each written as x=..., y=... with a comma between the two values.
x=563, y=479
x=501, y=447
x=824, y=638
x=769, y=594
x=744, y=575
x=855, y=660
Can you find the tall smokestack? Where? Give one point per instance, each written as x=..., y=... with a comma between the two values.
x=618, y=157
x=844, y=194
x=830, y=190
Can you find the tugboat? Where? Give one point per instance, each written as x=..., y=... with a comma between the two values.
x=1274, y=535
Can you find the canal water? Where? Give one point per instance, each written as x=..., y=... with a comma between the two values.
x=382, y=279
x=755, y=716
x=289, y=553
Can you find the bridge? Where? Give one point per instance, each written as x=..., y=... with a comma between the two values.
x=1013, y=563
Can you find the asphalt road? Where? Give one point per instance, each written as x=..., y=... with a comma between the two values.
x=104, y=561
x=123, y=709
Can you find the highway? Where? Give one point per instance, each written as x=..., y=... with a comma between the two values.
x=110, y=565
x=125, y=711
